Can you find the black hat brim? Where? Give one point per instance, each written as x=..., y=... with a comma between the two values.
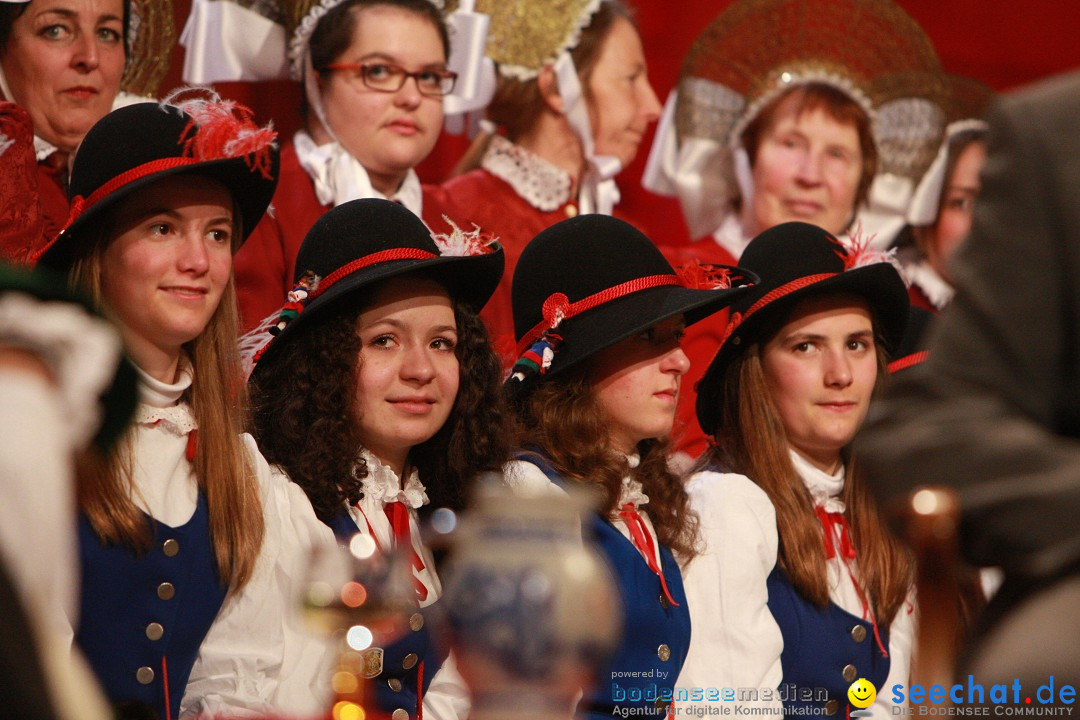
x=472, y=279
x=878, y=284
x=250, y=190
x=614, y=321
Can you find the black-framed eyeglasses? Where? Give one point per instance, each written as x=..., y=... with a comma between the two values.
x=386, y=77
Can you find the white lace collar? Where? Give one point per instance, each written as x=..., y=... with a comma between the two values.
x=824, y=488
x=924, y=277
x=339, y=177
x=159, y=402
x=541, y=184
x=632, y=492
x=383, y=485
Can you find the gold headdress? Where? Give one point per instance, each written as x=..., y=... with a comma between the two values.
x=524, y=36
x=755, y=50
x=151, y=35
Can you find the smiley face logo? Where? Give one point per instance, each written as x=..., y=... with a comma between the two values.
x=862, y=693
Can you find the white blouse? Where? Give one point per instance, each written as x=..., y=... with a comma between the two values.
x=257, y=657
x=528, y=480
x=447, y=697
x=735, y=641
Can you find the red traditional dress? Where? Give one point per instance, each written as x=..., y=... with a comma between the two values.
x=265, y=265
x=33, y=187
x=514, y=194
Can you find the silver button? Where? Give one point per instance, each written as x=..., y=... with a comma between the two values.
x=154, y=631
x=663, y=652
x=850, y=672
x=394, y=684
x=409, y=662
x=400, y=714
x=144, y=675
x=166, y=591
x=170, y=547
x=831, y=707
x=858, y=633
x=416, y=621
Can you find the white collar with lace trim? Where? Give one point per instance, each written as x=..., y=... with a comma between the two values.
x=541, y=184
x=924, y=277
x=159, y=403
x=339, y=177
x=824, y=488
x=631, y=491
x=383, y=485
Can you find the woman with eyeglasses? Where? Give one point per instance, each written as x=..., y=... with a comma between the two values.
x=374, y=76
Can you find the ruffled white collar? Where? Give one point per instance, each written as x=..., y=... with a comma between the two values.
x=159, y=402
x=632, y=492
x=383, y=485
x=541, y=184
x=339, y=177
x=924, y=277
x=731, y=236
x=824, y=488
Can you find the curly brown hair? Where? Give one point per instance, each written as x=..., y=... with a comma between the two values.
x=304, y=416
x=564, y=418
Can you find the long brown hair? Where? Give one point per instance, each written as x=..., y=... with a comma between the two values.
x=517, y=104
x=304, y=413
x=751, y=440
x=564, y=418
x=223, y=468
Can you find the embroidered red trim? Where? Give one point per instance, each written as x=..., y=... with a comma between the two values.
x=558, y=307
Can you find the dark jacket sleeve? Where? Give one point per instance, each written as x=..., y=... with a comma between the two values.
x=995, y=412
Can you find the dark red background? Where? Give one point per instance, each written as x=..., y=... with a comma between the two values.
x=1004, y=43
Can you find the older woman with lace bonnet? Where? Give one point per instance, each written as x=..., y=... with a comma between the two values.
x=63, y=66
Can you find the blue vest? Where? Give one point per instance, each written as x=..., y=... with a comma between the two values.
x=143, y=615
x=823, y=648
x=402, y=658
x=655, y=635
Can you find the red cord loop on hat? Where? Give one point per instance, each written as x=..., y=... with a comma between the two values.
x=909, y=361
x=555, y=309
x=587, y=303
x=368, y=261
x=79, y=205
x=787, y=289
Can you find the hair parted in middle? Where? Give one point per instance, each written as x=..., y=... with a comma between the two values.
x=304, y=416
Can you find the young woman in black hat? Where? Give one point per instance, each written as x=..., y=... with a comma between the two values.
x=188, y=541
x=381, y=397
x=599, y=314
x=799, y=580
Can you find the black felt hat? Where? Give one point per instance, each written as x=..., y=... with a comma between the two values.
x=796, y=261
x=361, y=242
x=586, y=283
x=137, y=145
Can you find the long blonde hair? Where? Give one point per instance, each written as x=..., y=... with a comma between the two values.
x=223, y=468
x=751, y=440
